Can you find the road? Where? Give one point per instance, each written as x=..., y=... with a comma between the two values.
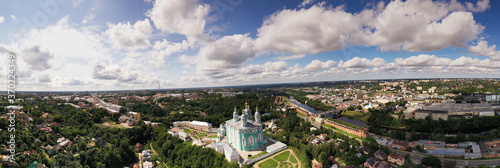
x=419, y=156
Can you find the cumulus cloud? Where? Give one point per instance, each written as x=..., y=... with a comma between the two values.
x=305, y=3
x=357, y=62
x=225, y=53
x=37, y=59
x=45, y=78
x=101, y=71
x=314, y=30
x=121, y=75
x=317, y=65
x=423, y=60
x=291, y=57
x=267, y=67
x=2, y=19
x=185, y=17
x=66, y=41
x=482, y=48
x=131, y=37
x=13, y=16
x=412, y=25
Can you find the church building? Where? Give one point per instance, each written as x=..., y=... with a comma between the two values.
x=242, y=132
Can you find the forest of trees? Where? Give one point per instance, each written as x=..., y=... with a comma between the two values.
x=175, y=153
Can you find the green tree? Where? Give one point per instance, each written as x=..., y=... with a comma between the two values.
x=123, y=110
x=483, y=166
x=323, y=159
x=431, y=161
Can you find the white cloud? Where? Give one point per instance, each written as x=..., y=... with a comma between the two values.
x=482, y=48
x=37, y=59
x=65, y=41
x=13, y=16
x=180, y=16
x=412, y=25
x=101, y=71
x=416, y=25
x=267, y=67
x=317, y=65
x=480, y=6
x=225, y=53
x=305, y=3
x=357, y=62
x=423, y=60
x=131, y=37
x=314, y=30
x=2, y=19
x=45, y=78
x=291, y=57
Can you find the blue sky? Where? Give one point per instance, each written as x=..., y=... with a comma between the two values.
x=125, y=44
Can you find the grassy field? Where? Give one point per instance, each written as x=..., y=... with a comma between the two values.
x=302, y=158
x=344, y=123
x=293, y=159
x=257, y=155
x=212, y=136
x=358, y=115
x=269, y=164
x=203, y=134
x=187, y=131
x=343, y=132
x=283, y=156
x=300, y=114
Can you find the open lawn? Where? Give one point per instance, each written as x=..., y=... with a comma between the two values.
x=269, y=164
x=203, y=134
x=302, y=158
x=343, y=132
x=292, y=159
x=344, y=123
x=187, y=131
x=212, y=136
x=358, y=115
x=283, y=156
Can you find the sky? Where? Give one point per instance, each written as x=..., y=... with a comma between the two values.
x=87, y=45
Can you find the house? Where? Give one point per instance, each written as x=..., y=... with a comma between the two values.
x=395, y=158
x=380, y=155
x=319, y=165
x=147, y=164
x=184, y=136
x=401, y=145
x=334, y=163
x=370, y=163
x=366, y=150
x=138, y=147
x=382, y=164
x=146, y=155
x=101, y=142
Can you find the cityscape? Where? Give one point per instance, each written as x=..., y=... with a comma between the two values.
x=261, y=84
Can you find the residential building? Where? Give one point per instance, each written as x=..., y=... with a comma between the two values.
x=395, y=158
x=380, y=155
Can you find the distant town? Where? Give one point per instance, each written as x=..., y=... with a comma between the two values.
x=372, y=124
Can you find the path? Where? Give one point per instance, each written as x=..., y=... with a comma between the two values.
x=256, y=165
x=153, y=150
